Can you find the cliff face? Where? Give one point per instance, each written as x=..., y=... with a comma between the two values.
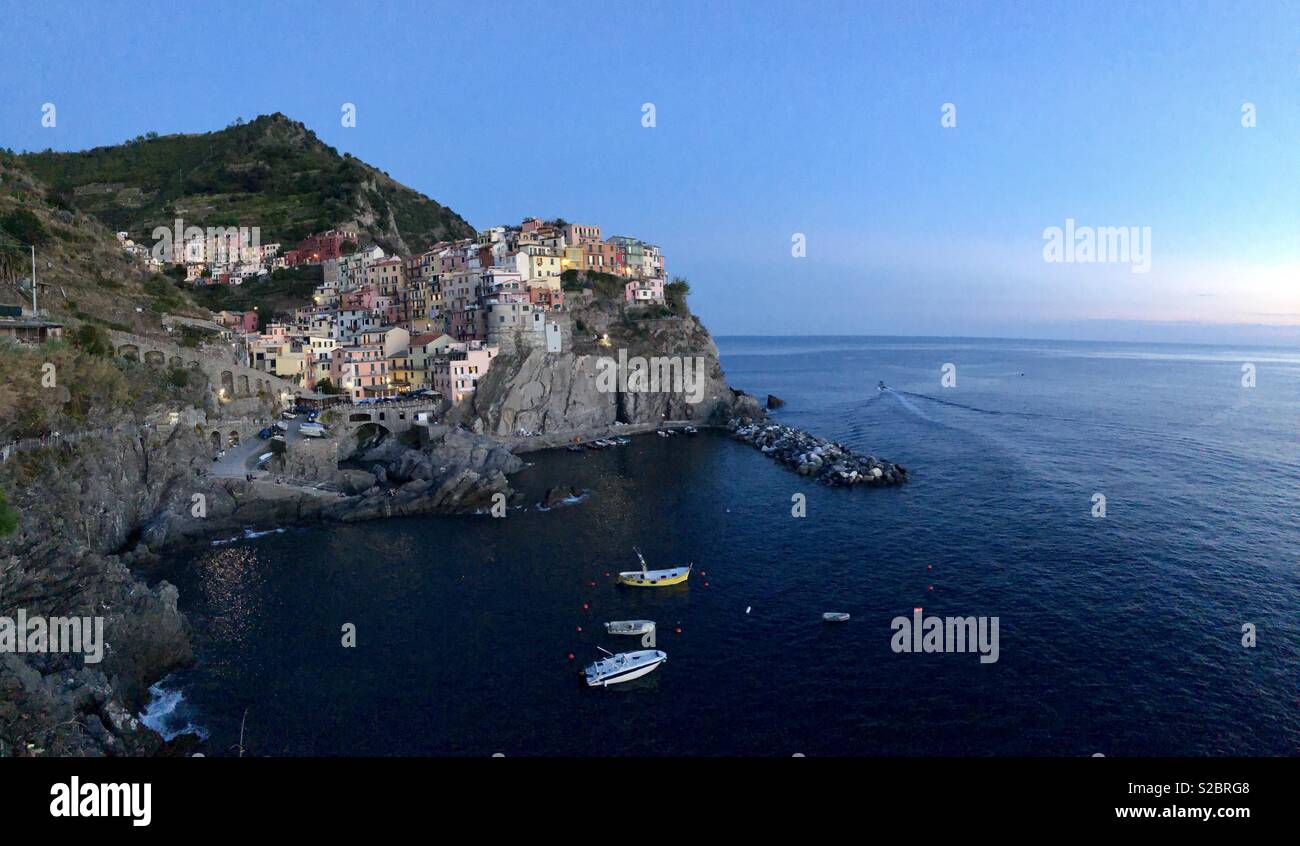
x=80, y=507
x=570, y=392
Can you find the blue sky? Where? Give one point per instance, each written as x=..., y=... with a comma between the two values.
x=771, y=119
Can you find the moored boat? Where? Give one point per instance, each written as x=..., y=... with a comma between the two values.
x=622, y=667
x=646, y=577
x=836, y=616
x=629, y=627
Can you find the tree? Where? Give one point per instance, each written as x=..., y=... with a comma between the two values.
x=326, y=386
x=675, y=293
x=8, y=517
x=90, y=339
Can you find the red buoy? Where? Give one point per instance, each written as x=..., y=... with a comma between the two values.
x=585, y=606
x=579, y=628
x=570, y=656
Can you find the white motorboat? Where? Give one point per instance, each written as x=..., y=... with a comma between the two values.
x=836, y=616
x=630, y=627
x=622, y=667
x=663, y=433
x=690, y=430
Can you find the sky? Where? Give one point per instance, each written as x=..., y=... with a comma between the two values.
x=774, y=123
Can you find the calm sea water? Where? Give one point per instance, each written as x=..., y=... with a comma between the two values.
x=1120, y=635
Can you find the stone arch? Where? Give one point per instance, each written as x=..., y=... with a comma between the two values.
x=153, y=358
x=228, y=382
x=243, y=384
x=370, y=434
x=216, y=440
x=130, y=351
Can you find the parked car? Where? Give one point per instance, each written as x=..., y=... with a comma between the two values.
x=289, y=415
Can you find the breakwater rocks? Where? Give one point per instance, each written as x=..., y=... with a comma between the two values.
x=824, y=461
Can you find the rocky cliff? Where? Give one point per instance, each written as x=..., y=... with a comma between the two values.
x=82, y=509
x=534, y=391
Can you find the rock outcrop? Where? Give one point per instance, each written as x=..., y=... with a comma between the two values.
x=533, y=391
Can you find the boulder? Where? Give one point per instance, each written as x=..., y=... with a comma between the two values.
x=773, y=401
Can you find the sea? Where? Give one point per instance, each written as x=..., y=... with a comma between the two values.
x=1126, y=512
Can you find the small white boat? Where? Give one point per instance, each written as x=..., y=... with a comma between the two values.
x=836, y=616
x=690, y=430
x=663, y=434
x=629, y=627
x=622, y=667
x=882, y=387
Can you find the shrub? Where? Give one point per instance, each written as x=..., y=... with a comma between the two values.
x=8, y=517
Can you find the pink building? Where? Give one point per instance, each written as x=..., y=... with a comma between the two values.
x=361, y=371
x=456, y=374
x=644, y=292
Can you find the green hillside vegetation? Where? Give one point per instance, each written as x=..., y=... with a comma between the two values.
x=83, y=272
x=272, y=173
x=285, y=290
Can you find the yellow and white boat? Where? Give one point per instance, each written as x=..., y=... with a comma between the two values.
x=646, y=577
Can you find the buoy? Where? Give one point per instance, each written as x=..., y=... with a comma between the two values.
x=579, y=628
x=706, y=584
x=929, y=566
x=606, y=572
x=585, y=606
x=748, y=608
x=570, y=656
x=679, y=629
x=931, y=587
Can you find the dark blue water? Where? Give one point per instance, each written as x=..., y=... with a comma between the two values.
x=1120, y=635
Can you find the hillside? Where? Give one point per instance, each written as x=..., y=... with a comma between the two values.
x=83, y=272
x=272, y=172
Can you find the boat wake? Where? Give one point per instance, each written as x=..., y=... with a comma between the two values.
x=169, y=714
x=248, y=534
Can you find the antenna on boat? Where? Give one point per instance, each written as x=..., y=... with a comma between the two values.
x=606, y=651
x=640, y=556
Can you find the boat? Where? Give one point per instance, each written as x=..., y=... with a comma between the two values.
x=881, y=386
x=663, y=434
x=622, y=440
x=646, y=577
x=629, y=627
x=836, y=616
x=574, y=448
x=690, y=430
x=622, y=667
